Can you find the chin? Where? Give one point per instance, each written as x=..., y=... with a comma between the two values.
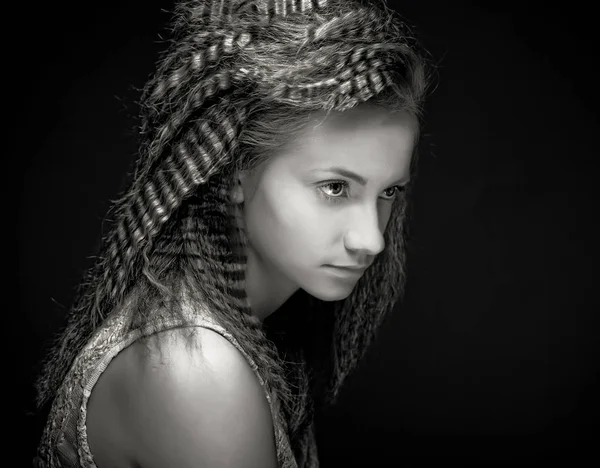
x=329, y=294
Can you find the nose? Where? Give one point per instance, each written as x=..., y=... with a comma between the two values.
x=365, y=235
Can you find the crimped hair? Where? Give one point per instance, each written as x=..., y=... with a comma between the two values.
x=237, y=79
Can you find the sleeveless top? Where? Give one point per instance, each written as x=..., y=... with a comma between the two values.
x=64, y=441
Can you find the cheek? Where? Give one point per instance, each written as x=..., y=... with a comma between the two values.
x=385, y=212
x=284, y=218
x=305, y=218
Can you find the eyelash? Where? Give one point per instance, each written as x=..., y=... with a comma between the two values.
x=338, y=199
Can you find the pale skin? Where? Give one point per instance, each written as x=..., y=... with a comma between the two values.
x=294, y=230
x=208, y=409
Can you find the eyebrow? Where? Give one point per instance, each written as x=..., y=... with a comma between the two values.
x=352, y=175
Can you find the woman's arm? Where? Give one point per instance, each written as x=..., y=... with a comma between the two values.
x=195, y=409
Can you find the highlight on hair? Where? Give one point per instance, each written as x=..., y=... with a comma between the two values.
x=238, y=78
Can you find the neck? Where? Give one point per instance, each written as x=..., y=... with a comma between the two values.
x=266, y=289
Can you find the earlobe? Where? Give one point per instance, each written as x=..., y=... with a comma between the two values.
x=236, y=194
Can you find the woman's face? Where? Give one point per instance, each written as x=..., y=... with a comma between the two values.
x=326, y=203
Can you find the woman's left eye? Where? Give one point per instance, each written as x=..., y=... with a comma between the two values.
x=393, y=191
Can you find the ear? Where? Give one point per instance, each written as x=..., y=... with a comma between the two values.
x=236, y=194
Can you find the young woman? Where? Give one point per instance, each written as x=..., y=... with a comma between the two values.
x=258, y=247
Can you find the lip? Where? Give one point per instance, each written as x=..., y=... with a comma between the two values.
x=349, y=269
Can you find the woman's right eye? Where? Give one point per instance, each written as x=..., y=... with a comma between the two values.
x=335, y=185
x=334, y=195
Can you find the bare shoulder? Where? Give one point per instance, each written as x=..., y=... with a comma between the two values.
x=185, y=406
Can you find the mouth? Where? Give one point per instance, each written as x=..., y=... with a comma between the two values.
x=345, y=270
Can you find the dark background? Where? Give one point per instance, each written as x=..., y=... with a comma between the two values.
x=492, y=358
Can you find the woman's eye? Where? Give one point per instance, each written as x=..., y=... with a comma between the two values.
x=391, y=192
x=334, y=189
x=394, y=191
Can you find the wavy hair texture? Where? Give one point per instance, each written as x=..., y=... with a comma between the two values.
x=237, y=79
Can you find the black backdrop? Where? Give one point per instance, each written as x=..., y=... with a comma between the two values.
x=491, y=359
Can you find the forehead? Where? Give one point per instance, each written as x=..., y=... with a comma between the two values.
x=369, y=138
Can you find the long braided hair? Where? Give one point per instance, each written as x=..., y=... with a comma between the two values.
x=236, y=80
